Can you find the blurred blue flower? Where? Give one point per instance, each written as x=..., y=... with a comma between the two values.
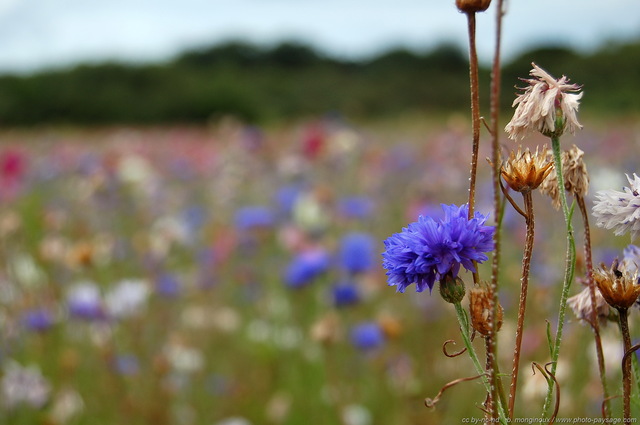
x=631, y=257
x=305, y=267
x=85, y=302
x=38, y=320
x=345, y=293
x=359, y=207
x=428, y=249
x=286, y=197
x=357, y=252
x=126, y=364
x=253, y=217
x=194, y=217
x=367, y=336
x=168, y=285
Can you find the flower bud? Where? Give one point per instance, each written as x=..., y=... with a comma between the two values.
x=452, y=289
x=480, y=307
x=470, y=6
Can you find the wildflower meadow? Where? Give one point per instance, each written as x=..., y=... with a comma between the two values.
x=443, y=269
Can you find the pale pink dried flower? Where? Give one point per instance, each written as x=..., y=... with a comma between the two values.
x=581, y=306
x=541, y=103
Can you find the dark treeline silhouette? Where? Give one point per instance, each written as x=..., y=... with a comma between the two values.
x=292, y=80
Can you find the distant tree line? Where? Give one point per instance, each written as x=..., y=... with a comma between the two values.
x=292, y=80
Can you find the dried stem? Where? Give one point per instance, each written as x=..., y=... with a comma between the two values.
x=592, y=294
x=524, y=284
x=446, y=353
x=626, y=364
x=475, y=117
x=475, y=108
x=511, y=201
x=551, y=378
x=495, y=159
x=431, y=402
x=569, y=267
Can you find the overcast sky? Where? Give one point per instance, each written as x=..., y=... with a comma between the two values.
x=35, y=34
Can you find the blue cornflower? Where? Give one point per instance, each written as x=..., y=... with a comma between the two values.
x=305, y=267
x=38, y=320
x=357, y=252
x=126, y=364
x=355, y=207
x=286, y=197
x=168, y=285
x=345, y=293
x=367, y=336
x=252, y=217
x=426, y=250
x=631, y=257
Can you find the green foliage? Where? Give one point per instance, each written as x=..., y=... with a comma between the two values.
x=292, y=80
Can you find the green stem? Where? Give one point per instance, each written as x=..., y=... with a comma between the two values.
x=569, y=268
x=463, y=319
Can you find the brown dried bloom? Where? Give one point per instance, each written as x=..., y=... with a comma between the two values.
x=619, y=287
x=326, y=330
x=472, y=6
x=480, y=307
x=545, y=104
x=574, y=171
x=581, y=306
x=524, y=171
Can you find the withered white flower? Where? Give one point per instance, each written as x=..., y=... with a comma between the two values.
x=582, y=308
x=620, y=210
x=541, y=103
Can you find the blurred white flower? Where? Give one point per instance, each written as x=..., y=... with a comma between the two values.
x=24, y=385
x=135, y=169
x=620, y=210
x=310, y=214
x=544, y=100
x=127, y=298
x=25, y=270
x=356, y=414
x=66, y=405
x=184, y=359
x=235, y=420
x=278, y=407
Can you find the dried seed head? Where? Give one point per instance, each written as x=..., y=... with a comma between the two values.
x=480, y=308
x=618, y=286
x=471, y=6
x=525, y=171
x=574, y=171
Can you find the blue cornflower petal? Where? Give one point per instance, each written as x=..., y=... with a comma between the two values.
x=426, y=250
